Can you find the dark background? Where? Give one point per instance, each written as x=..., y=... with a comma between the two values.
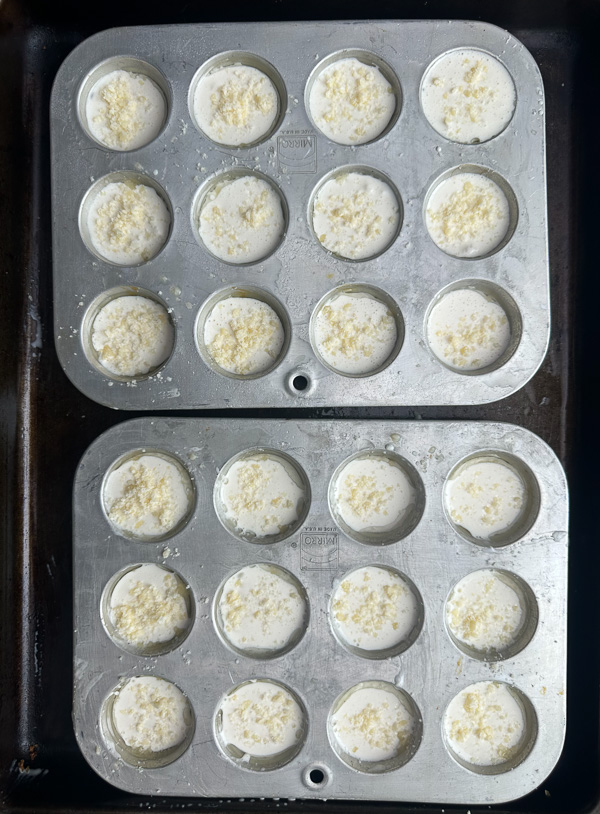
x=45, y=424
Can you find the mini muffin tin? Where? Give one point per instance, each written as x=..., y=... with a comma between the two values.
x=434, y=556
x=182, y=164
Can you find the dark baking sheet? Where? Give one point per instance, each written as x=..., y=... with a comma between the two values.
x=45, y=424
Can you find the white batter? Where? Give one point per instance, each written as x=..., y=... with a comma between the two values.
x=373, y=724
x=468, y=96
x=132, y=335
x=147, y=606
x=467, y=330
x=241, y=220
x=484, y=724
x=235, y=105
x=485, y=497
x=373, y=494
x=260, y=496
x=128, y=223
x=125, y=110
x=355, y=215
x=355, y=333
x=467, y=215
x=151, y=715
x=243, y=335
x=374, y=609
x=261, y=608
x=146, y=496
x=261, y=719
x=352, y=103
x=484, y=611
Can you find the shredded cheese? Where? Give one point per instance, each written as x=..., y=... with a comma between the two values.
x=374, y=608
x=125, y=110
x=374, y=725
x=132, y=335
x=352, y=102
x=148, y=608
x=146, y=492
x=468, y=212
x=246, y=334
x=128, y=222
x=362, y=494
x=149, y=714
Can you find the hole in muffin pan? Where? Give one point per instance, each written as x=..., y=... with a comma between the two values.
x=359, y=169
x=515, y=755
x=403, y=755
x=404, y=642
x=131, y=179
x=243, y=292
x=254, y=652
x=300, y=383
x=143, y=758
x=359, y=290
x=367, y=58
x=87, y=330
x=214, y=184
x=410, y=516
x=156, y=648
x=316, y=776
x=294, y=472
x=525, y=631
x=505, y=188
x=260, y=763
x=122, y=63
x=530, y=505
x=434, y=68
x=185, y=482
x=241, y=58
x=495, y=294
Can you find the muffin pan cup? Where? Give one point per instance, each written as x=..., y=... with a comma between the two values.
x=296, y=157
x=318, y=669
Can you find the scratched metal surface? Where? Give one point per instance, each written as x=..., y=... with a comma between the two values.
x=434, y=556
x=413, y=271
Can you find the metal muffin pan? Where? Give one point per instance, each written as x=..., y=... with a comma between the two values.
x=296, y=157
x=434, y=556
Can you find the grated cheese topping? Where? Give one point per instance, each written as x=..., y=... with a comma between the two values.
x=128, y=223
x=374, y=609
x=373, y=724
x=261, y=718
x=151, y=714
x=467, y=215
x=355, y=215
x=235, y=105
x=484, y=611
x=485, y=724
x=468, y=96
x=132, y=335
x=125, y=110
x=147, y=606
x=243, y=335
x=352, y=103
x=260, y=496
x=373, y=493
x=261, y=608
x=467, y=330
x=146, y=496
x=485, y=497
x=242, y=220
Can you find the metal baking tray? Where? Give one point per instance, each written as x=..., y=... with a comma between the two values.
x=413, y=271
x=433, y=556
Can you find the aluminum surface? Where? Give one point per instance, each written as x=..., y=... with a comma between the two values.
x=412, y=271
x=433, y=556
